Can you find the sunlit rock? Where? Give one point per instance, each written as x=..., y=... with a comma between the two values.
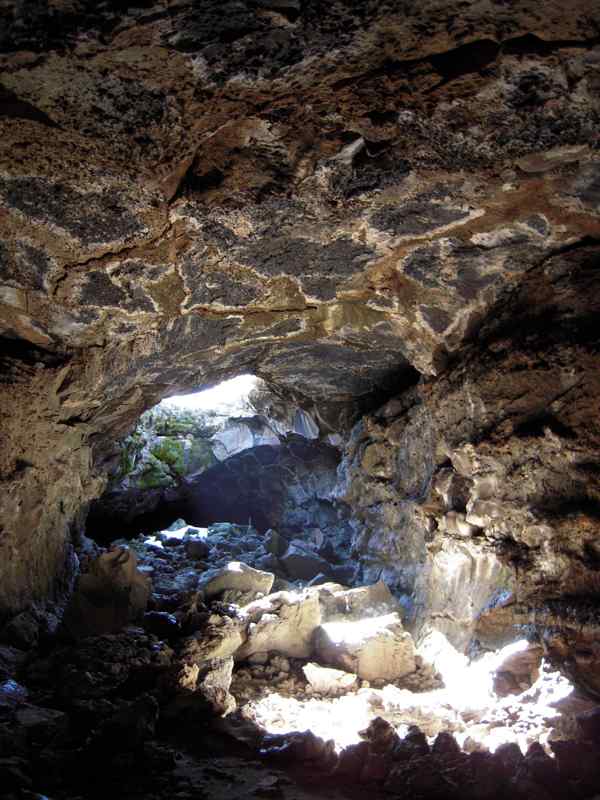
x=375, y=649
x=219, y=637
x=284, y=622
x=518, y=671
x=196, y=547
x=238, y=577
x=325, y=680
x=360, y=603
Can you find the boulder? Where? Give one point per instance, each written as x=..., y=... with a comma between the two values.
x=237, y=576
x=235, y=598
x=202, y=687
x=214, y=680
x=196, y=547
x=284, y=622
x=12, y=694
x=108, y=597
x=363, y=602
x=275, y=543
x=303, y=565
x=518, y=671
x=326, y=680
x=375, y=649
x=381, y=736
x=299, y=746
x=220, y=637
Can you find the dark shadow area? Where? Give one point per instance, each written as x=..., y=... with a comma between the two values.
x=287, y=487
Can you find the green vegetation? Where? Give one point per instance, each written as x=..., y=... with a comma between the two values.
x=155, y=474
x=170, y=451
x=166, y=445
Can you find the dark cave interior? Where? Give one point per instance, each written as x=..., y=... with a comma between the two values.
x=378, y=577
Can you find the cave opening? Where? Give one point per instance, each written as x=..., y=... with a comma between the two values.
x=237, y=452
x=330, y=662
x=384, y=576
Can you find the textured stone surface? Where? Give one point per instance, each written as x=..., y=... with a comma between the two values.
x=340, y=198
x=328, y=681
x=111, y=594
x=493, y=461
x=284, y=622
x=374, y=649
x=237, y=576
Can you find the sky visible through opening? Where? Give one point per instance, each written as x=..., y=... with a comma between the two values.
x=229, y=397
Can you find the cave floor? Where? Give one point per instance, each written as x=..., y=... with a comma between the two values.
x=163, y=711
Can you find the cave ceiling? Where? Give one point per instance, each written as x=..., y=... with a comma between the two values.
x=333, y=196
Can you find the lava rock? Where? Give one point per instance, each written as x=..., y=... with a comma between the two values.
x=325, y=680
x=375, y=649
x=275, y=543
x=236, y=576
x=302, y=565
x=518, y=671
x=111, y=595
x=196, y=547
x=162, y=624
x=284, y=622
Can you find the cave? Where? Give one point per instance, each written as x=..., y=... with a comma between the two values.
x=381, y=577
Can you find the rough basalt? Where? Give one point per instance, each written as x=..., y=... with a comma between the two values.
x=355, y=201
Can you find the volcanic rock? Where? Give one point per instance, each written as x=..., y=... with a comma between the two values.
x=518, y=671
x=110, y=595
x=284, y=622
x=238, y=577
x=375, y=649
x=301, y=564
x=196, y=547
x=325, y=680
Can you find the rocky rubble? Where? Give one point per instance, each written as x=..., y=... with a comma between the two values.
x=221, y=651
x=390, y=212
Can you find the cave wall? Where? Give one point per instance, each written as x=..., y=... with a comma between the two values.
x=333, y=196
x=487, y=478
x=290, y=487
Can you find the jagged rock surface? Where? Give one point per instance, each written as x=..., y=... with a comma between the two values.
x=170, y=448
x=332, y=196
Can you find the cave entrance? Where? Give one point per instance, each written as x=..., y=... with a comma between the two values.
x=233, y=491
x=173, y=443
x=238, y=454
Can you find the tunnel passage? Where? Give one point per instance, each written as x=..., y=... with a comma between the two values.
x=325, y=194
x=285, y=486
x=237, y=453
